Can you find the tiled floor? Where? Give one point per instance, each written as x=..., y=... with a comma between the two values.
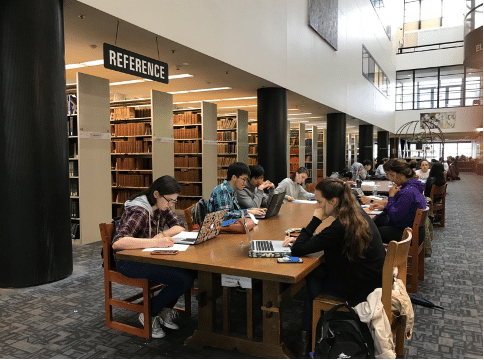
x=66, y=319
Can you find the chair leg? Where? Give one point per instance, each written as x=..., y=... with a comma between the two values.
x=317, y=307
x=421, y=266
x=412, y=285
x=400, y=339
x=442, y=219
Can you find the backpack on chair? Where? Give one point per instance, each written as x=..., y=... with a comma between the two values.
x=342, y=335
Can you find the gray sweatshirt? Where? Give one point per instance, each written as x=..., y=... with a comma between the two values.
x=252, y=197
x=292, y=189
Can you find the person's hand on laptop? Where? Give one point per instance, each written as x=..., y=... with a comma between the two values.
x=257, y=211
x=288, y=240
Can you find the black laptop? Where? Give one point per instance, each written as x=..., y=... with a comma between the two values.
x=274, y=206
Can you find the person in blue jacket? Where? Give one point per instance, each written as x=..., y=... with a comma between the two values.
x=404, y=198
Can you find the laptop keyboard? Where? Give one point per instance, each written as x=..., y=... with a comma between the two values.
x=263, y=245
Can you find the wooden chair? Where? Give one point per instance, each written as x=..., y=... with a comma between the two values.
x=188, y=218
x=416, y=254
x=437, y=194
x=148, y=288
x=311, y=187
x=396, y=257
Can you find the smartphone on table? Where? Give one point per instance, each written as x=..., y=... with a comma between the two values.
x=289, y=259
x=164, y=252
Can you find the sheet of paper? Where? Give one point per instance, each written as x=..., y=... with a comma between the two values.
x=376, y=212
x=368, y=183
x=305, y=201
x=179, y=247
x=256, y=221
x=374, y=197
x=186, y=235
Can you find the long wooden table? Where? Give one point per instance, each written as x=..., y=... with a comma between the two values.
x=228, y=254
x=382, y=186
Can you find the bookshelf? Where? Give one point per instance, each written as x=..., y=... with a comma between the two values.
x=253, y=140
x=296, y=147
x=195, y=153
x=89, y=162
x=141, y=145
x=311, y=154
x=320, y=163
x=351, y=149
x=232, y=139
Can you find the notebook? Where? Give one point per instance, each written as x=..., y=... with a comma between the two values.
x=210, y=228
x=265, y=248
x=274, y=206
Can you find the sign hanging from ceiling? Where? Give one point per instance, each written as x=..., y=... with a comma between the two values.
x=128, y=62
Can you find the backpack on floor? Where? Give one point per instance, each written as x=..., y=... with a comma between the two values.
x=342, y=335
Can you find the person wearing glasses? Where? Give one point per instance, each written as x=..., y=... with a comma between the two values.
x=223, y=197
x=149, y=221
x=257, y=193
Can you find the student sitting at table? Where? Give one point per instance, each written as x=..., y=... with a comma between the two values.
x=404, y=198
x=360, y=171
x=142, y=226
x=223, y=197
x=293, y=186
x=436, y=177
x=253, y=194
x=423, y=172
x=380, y=172
x=353, y=251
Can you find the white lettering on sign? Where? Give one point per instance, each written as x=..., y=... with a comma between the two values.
x=143, y=69
x=112, y=57
x=125, y=60
x=150, y=69
x=138, y=65
x=157, y=70
x=162, y=72
x=120, y=59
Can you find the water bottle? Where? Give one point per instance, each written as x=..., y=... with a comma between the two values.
x=375, y=190
x=358, y=183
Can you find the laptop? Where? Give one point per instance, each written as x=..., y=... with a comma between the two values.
x=274, y=206
x=210, y=228
x=265, y=248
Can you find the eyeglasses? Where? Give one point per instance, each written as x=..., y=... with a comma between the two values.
x=241, y=178
x=173, y=201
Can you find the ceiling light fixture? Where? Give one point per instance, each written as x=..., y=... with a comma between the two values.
x=84, y=64
x=236, y=107
x=199, y=90
x=301, y=114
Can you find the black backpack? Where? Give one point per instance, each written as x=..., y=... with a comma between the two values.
x=342, y=335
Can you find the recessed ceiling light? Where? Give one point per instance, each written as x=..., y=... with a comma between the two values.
x=237, y=106
x=198, y=90
x=300, y=114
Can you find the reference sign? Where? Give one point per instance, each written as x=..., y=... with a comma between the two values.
x=128, y=62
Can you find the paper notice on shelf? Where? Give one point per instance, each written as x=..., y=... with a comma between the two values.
x=235, y=281
x=164, y=139
x=94, y=135
x=178, y=247
x=210, y=142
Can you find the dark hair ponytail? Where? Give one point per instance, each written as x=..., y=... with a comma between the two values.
x=301, y=170
x=165, y=185
x=357, y=231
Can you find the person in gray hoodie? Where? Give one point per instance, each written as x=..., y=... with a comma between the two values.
x=148, y=221
x=254, y=193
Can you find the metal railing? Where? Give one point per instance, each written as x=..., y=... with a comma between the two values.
x=439, y=46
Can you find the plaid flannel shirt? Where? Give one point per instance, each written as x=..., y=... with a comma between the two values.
x=223, y=197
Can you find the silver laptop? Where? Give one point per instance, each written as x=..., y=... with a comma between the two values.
x=274, y=206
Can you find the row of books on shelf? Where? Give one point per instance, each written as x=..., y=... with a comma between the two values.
x=187, y=132
x=120, y=196
x=293, y=167
x=252, y=160
x=253, y=149
x=187, y=118
x=294, y=142
x=74, y=187
x=74, y=209
x=74, y=228
x=191, y=189
x=226, y=148
x=226, y=136
x=222, y=173
x=131, y=163
x=226, y=160
x=131, y=129
x=188, y=175
x=294, y=159
x=188, y=146
x=227, y=123
x=72, y=148
x=71, y=104
x=129, y=112
x=72, y=123
x=73, y=171
x=252, y=138
x=131, y=145
x=121, y=180
x=185, y=203
x=253, y=128
x=294, y=150
x=188, y=161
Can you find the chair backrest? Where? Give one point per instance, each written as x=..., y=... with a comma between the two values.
x=106, y=236
x=188, y=217
x=437, y=194
x=418, y=222
x=396, y=257
x=311, y=187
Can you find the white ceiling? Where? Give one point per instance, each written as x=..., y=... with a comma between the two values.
x=86, y=29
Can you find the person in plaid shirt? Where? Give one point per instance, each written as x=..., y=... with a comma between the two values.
x=223, y=197
x=142, y=225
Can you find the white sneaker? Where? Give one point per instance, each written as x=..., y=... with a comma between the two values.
x=166, y=317
x=156, y=329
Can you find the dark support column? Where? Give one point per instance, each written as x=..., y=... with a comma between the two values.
x=272, y=132
x=336, y=143
x=394, y=148
x=383, y=144
x=365, y=143
x=35, y=246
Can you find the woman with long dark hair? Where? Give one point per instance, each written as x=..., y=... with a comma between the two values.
x=293, y=186
x=353, y=250
x=148, y=221
x=436, y=177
